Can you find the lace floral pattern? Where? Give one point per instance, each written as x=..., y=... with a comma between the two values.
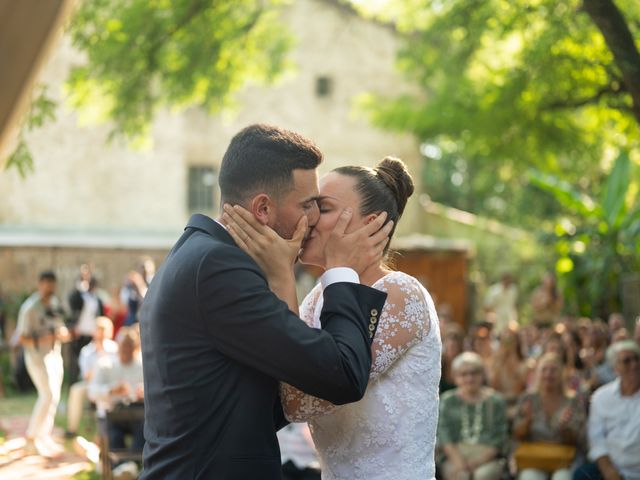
x=391, y=432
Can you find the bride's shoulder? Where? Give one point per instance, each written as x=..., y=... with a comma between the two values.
x=400, y=282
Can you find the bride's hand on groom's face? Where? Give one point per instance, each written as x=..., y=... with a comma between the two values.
x=275, y=255
x=358, y=249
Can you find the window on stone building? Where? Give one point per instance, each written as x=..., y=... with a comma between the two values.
x=203, y=182
x=324, y=86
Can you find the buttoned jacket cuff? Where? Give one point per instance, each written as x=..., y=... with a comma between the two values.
x=339, y=274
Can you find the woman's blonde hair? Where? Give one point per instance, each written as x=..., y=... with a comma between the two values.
x=467, y=358
x=546, y=358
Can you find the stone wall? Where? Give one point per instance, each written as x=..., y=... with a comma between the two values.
x=82, y=181
x=20, y=266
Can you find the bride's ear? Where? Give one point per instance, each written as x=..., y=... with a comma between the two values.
x=262, y=208
x=370, y=218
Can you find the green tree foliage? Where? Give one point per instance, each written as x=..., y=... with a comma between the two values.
x=597, y=239
x=504, y=85
x=143, y=55
x=41, y=111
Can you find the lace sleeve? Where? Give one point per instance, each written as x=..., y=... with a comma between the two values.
x=404, y=321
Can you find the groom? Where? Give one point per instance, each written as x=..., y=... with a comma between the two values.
x=216, y=341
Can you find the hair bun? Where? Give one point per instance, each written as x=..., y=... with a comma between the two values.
x=393, y=172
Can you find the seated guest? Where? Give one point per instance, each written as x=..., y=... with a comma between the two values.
x=614, y=420
x=549, y=415
x=479, y=340
x=472, y=429
x=509, y=371
x=452, y=346
x=118, y=381
x=575, y=371
x=100, y=346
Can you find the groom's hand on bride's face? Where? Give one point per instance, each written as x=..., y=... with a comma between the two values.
x=358, y=249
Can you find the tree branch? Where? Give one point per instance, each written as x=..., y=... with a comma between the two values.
x=615, y=87
x=613, y=26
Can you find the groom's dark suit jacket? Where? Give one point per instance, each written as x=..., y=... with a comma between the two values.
x=216, y=342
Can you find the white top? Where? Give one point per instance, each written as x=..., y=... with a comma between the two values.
x=391, y=432
x=503, y=302
x=89, y=356
x=36, y=319
x=109, y=373
x=87, y=320
x=614, y=429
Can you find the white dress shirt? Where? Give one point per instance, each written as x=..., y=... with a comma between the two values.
x=614, y=429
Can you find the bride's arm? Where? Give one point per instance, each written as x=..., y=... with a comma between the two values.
x=403, y=322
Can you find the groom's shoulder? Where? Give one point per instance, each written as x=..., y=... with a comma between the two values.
x=213, y=253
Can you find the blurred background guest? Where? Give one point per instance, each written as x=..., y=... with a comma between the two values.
x=614, y=420
x=101, y=345
x=472, y=428
x=452, y=346
x=118, y=382
x=86, y=306
x=546, y=302
x=135, y=288
x=509, y=371
x=501, y=300
x=548, y=414
x=40, y=330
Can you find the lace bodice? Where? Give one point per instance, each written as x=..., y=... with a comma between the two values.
x=390, y=433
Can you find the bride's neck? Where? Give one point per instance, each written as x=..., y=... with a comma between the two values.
x=372, y=274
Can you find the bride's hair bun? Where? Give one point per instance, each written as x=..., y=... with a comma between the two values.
x=385, y=188
x=393, y=172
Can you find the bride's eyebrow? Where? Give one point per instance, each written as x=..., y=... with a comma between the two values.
x=324, y=197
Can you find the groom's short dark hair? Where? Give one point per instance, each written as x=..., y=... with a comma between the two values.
x=261, y=158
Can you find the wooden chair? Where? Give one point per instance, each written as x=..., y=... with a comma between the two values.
x=109, y=456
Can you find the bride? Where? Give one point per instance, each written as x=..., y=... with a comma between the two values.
x=390, y=433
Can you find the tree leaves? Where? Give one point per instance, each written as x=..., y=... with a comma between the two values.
x=142, y=56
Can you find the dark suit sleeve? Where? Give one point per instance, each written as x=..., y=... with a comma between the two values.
x=279, y=420
x=250, y=325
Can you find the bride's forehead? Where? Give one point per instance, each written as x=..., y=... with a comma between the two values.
x=336, y=182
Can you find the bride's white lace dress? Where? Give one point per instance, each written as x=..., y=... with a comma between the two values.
x=390, y=434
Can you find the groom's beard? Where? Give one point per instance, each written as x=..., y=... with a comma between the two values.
x=284, y=230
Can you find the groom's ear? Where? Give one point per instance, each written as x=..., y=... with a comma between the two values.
x=262, y=208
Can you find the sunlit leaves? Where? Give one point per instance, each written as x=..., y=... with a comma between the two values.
x=41, y=111
x=512, y=82
x=142, y=56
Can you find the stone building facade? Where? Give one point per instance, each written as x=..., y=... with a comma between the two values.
x=86, y=194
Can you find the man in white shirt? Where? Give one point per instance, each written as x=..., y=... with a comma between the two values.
x=118, y=381
x=40, y=330
x=102, y=345
x=614, y=420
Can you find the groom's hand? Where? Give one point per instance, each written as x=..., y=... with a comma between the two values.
x=360, y=248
